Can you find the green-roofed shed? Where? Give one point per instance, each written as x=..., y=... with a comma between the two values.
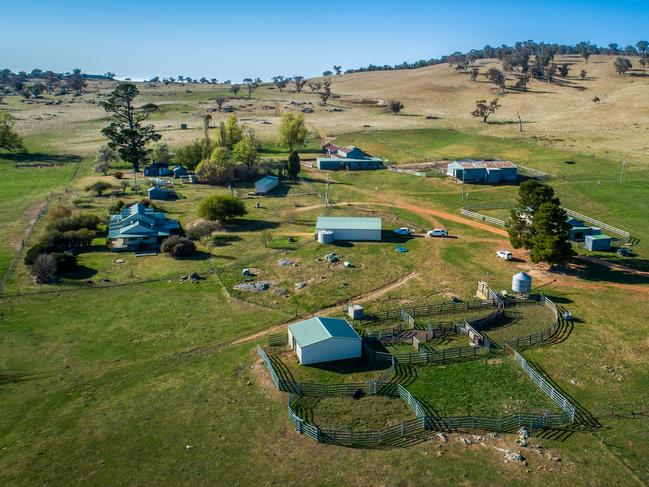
x=323, y=340
x=350, y=228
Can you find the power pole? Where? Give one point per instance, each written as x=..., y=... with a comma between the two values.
x=327, y=194
x=624, y=163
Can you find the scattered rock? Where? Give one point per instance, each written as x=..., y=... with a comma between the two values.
x=307, y=110
x=524, y=433
x=512, y=456
x=332, y=257
x=348, y=264
x=189, y=447
x=300, y=285
x=119, y=261
x=281, y=292
x=252, y=286
x=442, y=437
x=286, y=262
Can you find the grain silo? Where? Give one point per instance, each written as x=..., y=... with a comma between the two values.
x=522, y=283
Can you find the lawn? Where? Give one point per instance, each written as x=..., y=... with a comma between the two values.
x=366, y=413
x=522, y=320
x=341, y=371
x=486, y=387
x=24, y=190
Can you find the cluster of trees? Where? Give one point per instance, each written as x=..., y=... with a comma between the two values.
x=233, y=154
x=539, y=224
x=65, y=233
x=517, y=56
x=37, y=82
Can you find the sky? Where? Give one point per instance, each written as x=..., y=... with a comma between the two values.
x=264, y=38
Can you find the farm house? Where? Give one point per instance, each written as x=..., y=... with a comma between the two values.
x=350, y=228
x=266, y=184
x=323, y=340
x=350, y=158
x=491, y=172
x=139, y=227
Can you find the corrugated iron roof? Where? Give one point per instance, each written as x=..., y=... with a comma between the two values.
x=347, y=223
x=486, y=164
x=318, y=329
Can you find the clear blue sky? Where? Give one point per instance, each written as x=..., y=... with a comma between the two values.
x=234, y=40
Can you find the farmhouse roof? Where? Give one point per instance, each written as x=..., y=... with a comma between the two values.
x=348, y=223
x=486, y=164
x=347, y=149
x=317, y=329
x=330, y=147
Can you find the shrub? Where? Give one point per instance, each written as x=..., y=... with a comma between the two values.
x=76, y=222
x=40, y=248
x=178, y=246
x=77, y=201
x=65, y=262
x=221, y=208
x=116, y=208
x=118, y=175
x=57, y=212
x=44, y=268
x=201, y=230
x=99, y=187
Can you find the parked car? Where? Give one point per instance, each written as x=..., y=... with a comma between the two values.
x=437, y=232
x=403, y=231
x=504, y=255
x=624, y=251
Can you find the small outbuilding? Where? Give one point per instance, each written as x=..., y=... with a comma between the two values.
x=350, y=228
x=490, y=172
x=321, y=339
x=266, y=184
x=157, y=193
x=598, y=242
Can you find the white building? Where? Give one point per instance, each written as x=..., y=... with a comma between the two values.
x=350, y=228
x=324, y=339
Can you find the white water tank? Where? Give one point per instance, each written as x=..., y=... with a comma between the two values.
x=326, y=236
x=522, y=283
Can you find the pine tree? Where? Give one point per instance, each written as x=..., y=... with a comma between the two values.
x=550, y=235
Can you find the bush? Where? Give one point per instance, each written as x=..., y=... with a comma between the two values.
x=65, y=262
x=118, y=175
x=201, y=230
x=57, y=212
x=44, y=268
x=99, y=188
x=221, y=208
x=116, y=208
x=76, y=222
x=40, y=248
x=178, y=246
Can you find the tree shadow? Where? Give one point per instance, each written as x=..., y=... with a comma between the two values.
x=590, y=271
x=81, y=272
x=40, y=159
x=225, y=240
x=249, y=225
x=14, y=377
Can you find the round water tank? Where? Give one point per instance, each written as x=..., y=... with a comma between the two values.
x=522, y=283
x=326, y=236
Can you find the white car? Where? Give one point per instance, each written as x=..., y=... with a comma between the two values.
x=437, y=232
x=504, y=255
x=403, y=231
